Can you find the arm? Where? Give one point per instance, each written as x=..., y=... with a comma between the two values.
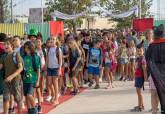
x=78, y=59
x=16, y=73
x=145, y=71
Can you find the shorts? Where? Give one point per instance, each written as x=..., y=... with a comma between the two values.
x=107, y=65
x=28, y=88
x=94, y=70
x=139, y=82
x=52, y=72
x=123, y=60
x=14, y=88
x=132, y=60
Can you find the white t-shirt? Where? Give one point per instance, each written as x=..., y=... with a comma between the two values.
x=42, y=59
x=52, y=58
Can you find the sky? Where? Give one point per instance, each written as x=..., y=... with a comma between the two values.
x=22, y=7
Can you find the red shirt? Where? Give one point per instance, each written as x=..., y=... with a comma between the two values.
x=139, y=67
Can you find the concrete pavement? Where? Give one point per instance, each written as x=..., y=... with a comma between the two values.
x=118, y=100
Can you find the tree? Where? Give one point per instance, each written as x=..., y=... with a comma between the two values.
x=4, y=10
x=69, y=7
x=124, y=5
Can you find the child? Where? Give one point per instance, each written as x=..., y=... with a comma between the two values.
x=132, y=56
x=40, y=53
x=140, y=76
x=123, y=59
x=31, y=75
x=13, y=65
x=94, y=62
x=54, y=62
x=74, y=59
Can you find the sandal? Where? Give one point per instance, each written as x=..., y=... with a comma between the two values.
x=137, y=109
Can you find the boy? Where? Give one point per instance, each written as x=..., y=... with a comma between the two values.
x=140, y=76
x=12, y=77
x=94, y=63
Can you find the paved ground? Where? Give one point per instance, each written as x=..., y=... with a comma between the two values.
x=116, y=101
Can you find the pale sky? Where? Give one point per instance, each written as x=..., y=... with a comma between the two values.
x=24, y=5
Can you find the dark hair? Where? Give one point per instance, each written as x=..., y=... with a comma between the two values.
x=30, y=46
x=39, y=36
x=159, y=32
x=134, y=33
x=16, y=36
x=3, y=36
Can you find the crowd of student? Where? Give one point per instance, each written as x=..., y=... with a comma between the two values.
x=31, y=67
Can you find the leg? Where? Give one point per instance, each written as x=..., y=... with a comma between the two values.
x=56, y=89
x=154, y=101
x=106, y=69
x=140, y=97
x=5, y=106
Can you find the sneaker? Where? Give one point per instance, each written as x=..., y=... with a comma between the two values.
x=39, y=110
x=48, y=98
x=121, y=78
x=100, y=80
x=97, y=87
x=34, y=111
x=90, y=84
x=11, y=111
x=75, y=92
x=109, y=87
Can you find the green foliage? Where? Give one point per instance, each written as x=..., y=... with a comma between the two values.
x=4, y=10
x=69, y=7
x=124, y=5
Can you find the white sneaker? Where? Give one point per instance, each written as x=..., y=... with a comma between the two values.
x=48, y=98
x=23, y=106
x=36, y=100
x=100, y=80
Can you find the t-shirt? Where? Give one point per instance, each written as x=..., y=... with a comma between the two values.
x=52, y=57
x=10, y=66
x=86, y=46
x=30, y=75
x=94, y=57
x=73, y=56
x=140, y=61
x=42, y=58
x=124, y=53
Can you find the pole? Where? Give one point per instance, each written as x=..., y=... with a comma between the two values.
x=42, y=16
x=140, y=9
x=11, y=11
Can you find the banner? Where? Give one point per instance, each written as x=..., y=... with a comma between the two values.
x=133, y=10
x=141, y=25
x=56, y=28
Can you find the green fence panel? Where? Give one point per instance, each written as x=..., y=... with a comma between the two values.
x=43, y=28
x=158, y=22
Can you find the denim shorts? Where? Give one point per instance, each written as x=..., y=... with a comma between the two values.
x=139, y=82
x=123, y=60
x=52, y=72
x=107, y=65
x=94, y=71
x=28, y=88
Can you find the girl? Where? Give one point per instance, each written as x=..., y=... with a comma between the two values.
x=132, y=56
x=74, y=59
x=40, y=53
x=31, y=75
x=123, y=59
x=107, y=53
x=54, y=61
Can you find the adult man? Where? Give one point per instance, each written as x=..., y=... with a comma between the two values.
x=155, y=57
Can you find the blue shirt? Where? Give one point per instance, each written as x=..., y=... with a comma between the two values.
x=94, y=57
